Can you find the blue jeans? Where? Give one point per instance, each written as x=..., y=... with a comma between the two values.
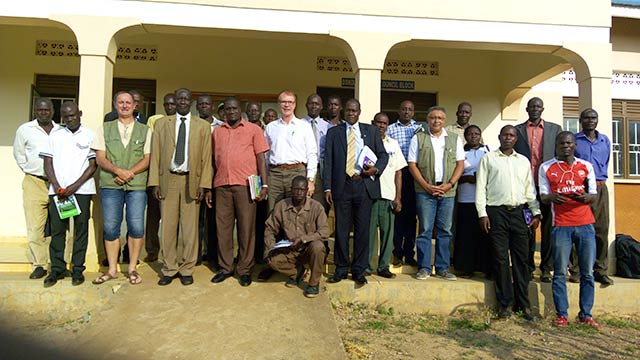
x=584, y=238
x=113, y=201
x=438, y=210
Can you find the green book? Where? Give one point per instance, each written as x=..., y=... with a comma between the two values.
x=67, y=208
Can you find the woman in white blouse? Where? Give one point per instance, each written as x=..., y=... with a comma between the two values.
x=471, y=249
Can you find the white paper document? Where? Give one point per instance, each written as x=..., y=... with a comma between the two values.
x=368, y=157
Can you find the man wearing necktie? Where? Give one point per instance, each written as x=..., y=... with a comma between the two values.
x=352, y=187
x=181, y=175
x=319, y=127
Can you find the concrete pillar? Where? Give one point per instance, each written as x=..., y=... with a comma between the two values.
x=97, y=48
x=592, y=64
x=367, y=53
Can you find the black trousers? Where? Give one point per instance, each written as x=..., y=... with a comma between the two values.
x=404, y=232
x=546, y=258
x=80, y=239
x=472, y=251
x=151, y=241
x=262, y=211
x=510, y=234
x=207, y=232
x=354, y=209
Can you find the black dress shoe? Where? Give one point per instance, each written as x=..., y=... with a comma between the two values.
x=396, y=261
x=336, y=278
x=52, y=279
x=411, y=262
x=574, y=278
x=38, y=273
x=386, y=274
x=220, y=277
x=265, y=274
x=545, y=277
x=186, y=280
x=504, y=312
x=526, y=314
x=77, y=279
x=603, y=279
x=360, y=279
x=245, y=280
x=165, y=280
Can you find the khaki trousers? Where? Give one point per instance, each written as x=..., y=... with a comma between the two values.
x=35, y=199
x=179, y=210
x=312, y=253
x=280, y=183
x=233, y=203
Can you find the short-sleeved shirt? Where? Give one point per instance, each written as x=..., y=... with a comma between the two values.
x=438, y=144
x=70, y=153
x=396, y=162
x=597, y=153
x=125, y=136
x=467, y=191
x=558, y=177
x=403, y=134
x=235, y=151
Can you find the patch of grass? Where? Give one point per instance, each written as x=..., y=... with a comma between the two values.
x=380, y=309
x=430, y=324
x=580, y=329
x=376, y=325
x=468, y=324
x=621, y=323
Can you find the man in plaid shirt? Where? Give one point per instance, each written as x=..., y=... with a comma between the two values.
x=404, y=238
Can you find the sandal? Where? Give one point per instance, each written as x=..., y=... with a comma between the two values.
x=103, y=279
x=134, y=278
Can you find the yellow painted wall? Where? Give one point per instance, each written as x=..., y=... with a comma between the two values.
x=627, y=221
x=19, y=64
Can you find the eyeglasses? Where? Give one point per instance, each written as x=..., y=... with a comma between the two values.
x=287, y=102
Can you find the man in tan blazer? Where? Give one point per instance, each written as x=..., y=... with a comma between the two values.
x=181, y=176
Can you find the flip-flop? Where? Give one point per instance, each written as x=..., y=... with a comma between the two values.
x=103, y=279
x=134, y=278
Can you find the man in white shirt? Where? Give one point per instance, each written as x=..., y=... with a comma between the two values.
x=30, y=139
x=69, y=163
x=436, y=162
x=293, y=151
x=384, y=209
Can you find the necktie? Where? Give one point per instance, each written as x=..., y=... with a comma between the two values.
x=314, y=126
x=351, y=152
x=182, y=132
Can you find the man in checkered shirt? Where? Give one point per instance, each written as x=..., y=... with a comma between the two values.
x=404, y=238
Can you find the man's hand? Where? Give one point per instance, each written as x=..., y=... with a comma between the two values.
x=68, y=191
x=369, y=171
x=199, y=195
x=584, y=198
x=311, y=187
x=208, y=199
x=440, y=190
x=397, y=205
x=534, y=223
x=157, y=194
x=296, y=243
x=328, y=198
x=558, y=198
x=485, y=224
x=124, y=175
x=263, y=194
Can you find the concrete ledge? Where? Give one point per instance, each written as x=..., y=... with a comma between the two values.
x=28, y=301
x=406, y=294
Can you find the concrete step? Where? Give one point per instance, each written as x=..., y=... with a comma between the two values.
x=406, y=294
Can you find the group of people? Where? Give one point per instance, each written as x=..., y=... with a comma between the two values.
x=196, y=171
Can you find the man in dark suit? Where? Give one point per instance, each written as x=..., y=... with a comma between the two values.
x=353, y=188
x=536, y=141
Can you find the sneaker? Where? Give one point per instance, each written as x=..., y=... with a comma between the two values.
x=423, y=274
x=445, y=275
x=589, y=321
x=312, y=291
x=291, y=283
x=561, y=321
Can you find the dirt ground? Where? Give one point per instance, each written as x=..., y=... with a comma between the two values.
x=381, y=333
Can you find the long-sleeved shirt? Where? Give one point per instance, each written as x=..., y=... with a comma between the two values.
x=504, y=180
x=292, y=143
x=287, y=223
x=30, y=140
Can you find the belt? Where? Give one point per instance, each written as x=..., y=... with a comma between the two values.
x=43, y=178
x=511, y=208
x=354, y=177
x=601, y=182
x=438, y=183
x=181, y=173
x=288, y=166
